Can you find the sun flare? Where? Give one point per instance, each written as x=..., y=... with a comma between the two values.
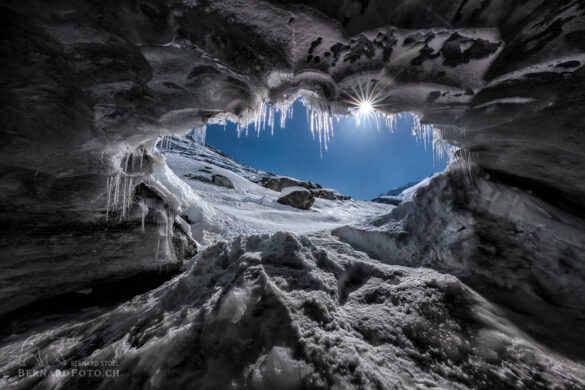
x=365, y=107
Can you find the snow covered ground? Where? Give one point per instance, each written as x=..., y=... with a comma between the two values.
x=249, y=208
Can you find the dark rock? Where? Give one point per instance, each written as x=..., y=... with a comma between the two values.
x=222, y=181
x=297, y=197
x=329, y=194
x=279, y=183
x=453, y=55
x=388, y=200
x=204, y=179
x=218, y=180
x=568, y=64
x=185, y=246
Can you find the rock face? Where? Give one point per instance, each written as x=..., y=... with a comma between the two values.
x=297, y=197
x=278, y=183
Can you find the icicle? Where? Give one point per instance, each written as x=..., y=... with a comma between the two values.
x=141, y=155
x=116, y=190
x=143, y=213
x=130, y=195
x=125, y=183
x=320, y=124
x=157, y=249
x=109, y=190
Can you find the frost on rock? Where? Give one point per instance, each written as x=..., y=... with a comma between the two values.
x=286, y=311
x=151, y=188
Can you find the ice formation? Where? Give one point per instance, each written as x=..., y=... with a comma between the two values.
x=119, y=191
x=320, y=122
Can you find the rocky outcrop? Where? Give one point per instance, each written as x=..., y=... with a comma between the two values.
x=325, y=193
x=278, y=183
x=218, y=180
x=297, y=197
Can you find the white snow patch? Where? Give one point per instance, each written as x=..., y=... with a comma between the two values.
x=289, y=190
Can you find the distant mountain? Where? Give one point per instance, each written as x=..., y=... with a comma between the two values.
x=405, y=192
x=398, y=190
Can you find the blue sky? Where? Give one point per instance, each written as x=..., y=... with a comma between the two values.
x=360, y=161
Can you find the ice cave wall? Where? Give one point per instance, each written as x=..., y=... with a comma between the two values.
x=87, y=84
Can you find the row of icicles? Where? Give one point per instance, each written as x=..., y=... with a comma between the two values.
x=120, y=195
x=120, y=188
x=320, y=123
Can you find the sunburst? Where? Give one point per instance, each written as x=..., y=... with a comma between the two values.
x=365, y=108
x=365, y=99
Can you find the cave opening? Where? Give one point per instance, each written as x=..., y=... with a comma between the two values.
x=365, y=155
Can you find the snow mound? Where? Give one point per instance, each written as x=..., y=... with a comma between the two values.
x=288, y=311
x=524, y=254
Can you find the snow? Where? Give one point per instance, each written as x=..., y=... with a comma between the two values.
x=181, y=194
x=408, y=193
x=221, y=213
x=288, y=311
x=288, y=190
x=508, y=100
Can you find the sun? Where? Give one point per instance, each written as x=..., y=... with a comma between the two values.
x=365, y=99
x=365, y=107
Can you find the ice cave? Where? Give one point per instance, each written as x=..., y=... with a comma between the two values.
x=136, y=255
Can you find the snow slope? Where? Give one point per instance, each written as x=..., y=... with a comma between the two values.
x=249, y=208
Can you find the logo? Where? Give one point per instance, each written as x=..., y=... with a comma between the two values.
x=45, y=355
